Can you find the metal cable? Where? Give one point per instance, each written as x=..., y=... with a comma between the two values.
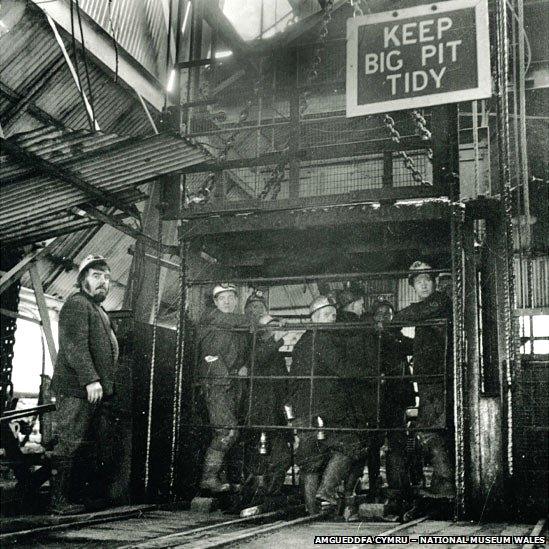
x=76, y=65
x=85, y=60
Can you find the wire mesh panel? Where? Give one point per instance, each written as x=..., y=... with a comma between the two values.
x=531, y=432
x=402, y=177
x=348, y=174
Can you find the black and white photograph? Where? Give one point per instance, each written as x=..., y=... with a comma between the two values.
x=274, y=273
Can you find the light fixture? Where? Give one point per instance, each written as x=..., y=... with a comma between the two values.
x=171, y=81
x=222, y=54
x=186, y=17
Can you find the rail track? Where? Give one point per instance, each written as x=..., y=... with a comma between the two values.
x=155, y=528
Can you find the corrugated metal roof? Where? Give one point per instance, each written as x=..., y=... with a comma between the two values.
x=116, y=165
x=29, y=51
x=139, y=25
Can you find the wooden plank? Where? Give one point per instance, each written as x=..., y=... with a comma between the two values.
x=536, y=531
x=43, y=310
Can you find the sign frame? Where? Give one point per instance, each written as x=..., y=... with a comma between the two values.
x=482, y=91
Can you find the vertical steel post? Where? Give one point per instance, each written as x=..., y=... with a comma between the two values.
x=506, y=288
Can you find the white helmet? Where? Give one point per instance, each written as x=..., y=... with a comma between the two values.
x=90, y=260
x=320, y=303
x=224, y=287
x=418, y=266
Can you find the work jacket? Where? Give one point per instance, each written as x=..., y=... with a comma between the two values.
x=330, y=397
x=222, y=350
x=268, y=396
x=430, y=352
x=87, y=348
x=360, y=356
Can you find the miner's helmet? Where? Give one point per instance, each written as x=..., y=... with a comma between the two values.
x=418, y=266
x=320, y=303
x=381, y=302
x=256, y=295
x=224, y=287
x=92, y=260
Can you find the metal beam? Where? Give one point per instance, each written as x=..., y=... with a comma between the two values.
x=350, y=199
x=36, y=112
x=100, y=45
x=299, y=219
x=163, y=262
x=66, y=175
x=217, y=20
x=253, y=258
x=16, y=272
x=324, y=152
x=11, y=314
x=294, y=31
x=15, y=110
x=130, y=231
x=43, y=310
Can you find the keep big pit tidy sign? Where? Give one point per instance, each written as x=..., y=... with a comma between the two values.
x=416, y=57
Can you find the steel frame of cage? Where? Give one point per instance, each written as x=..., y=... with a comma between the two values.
x=379, y=377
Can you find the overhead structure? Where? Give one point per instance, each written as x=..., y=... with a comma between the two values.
x=49, y=178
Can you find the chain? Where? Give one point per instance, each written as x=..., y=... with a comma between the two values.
x=459, y=353
x=8, y=325
x=179, y=358
x=207, y=187
x=511, y=321
x=408, y=161
x=357, y=8
x=423, y=131
x=274, y=183
x=156, y=308
x=312, y=73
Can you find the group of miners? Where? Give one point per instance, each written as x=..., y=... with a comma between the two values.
x=347, y=389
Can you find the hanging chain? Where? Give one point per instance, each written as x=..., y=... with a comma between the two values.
x=459, y=358
x=424, y=133
x=273, y=184
x=156, y=308
x=207, y=187
x=408, y=161
x=312, y=73
x=179, y=358
x=357, y=8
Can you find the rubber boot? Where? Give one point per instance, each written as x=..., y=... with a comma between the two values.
x=213, y=462
x=355, y=474
x=442, y=483
x=309, y=482
x=335, y=472
x=60, y=486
